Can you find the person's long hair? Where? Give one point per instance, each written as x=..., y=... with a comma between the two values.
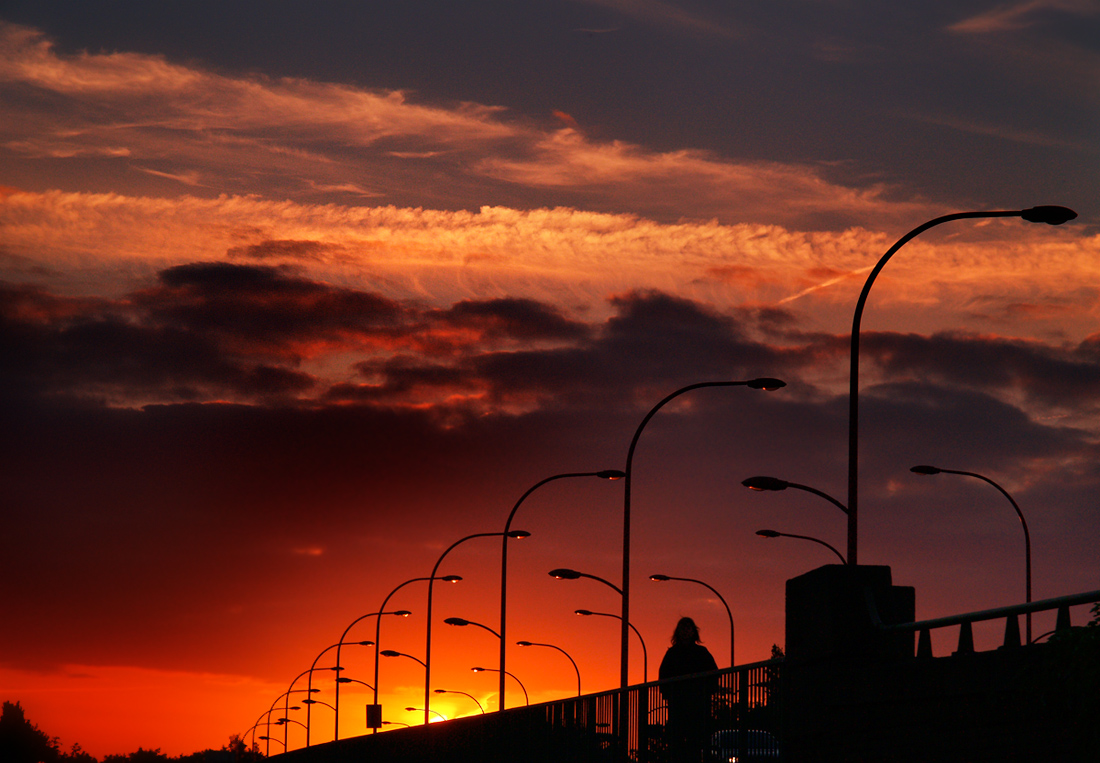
x=687, y=632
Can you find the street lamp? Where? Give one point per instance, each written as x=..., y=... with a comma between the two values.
x=418, y=709
x=462, y=622
x=1051, y=215
x=563, y=573
x=337, y=668
x=777, y=534
x=431, y=580
x=526, y=699
x=624, y=659
x=551, y=646
x=729, y=614
x=376, y=715
x=471, y=696
x=645, y=654
x=605, y=474
x=393, y=653
x=378, y=614
x=773, y=484
x=929, y=470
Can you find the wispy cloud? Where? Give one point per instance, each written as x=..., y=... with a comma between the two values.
x=1015, y=16
x=297, y=138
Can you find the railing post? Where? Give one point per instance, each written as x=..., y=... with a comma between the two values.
x=1012, y=632
x=924, y=644
x=966, y=638
x=742, y=710
x=1062, y=623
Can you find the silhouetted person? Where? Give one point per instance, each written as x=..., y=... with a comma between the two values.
x=689, y=700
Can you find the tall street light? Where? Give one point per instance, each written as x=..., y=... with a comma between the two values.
x=777, y=534
x=551, y=646
x=606, y=474
x=929, y=470
x=379, y=614
x=374, y=712
x=645, y=654
x=291, y=690
x=431, y=580
x=1051, y=215
x=624, y=660
x=526, y=699
x=729, y=614
x=337, y=668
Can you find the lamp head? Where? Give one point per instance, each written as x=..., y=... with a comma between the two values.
x=309, y=702
x=456, y=621
x=518, y=534
x=478, y=669
x=412, y=709
x=402, y=613
x=523, y=643
x=611, y=474
x=440, y=691
x=765, y=483
x=451, y=579
x=659, y=578
x=563, y=573
x=1049, y=214
x=365, y=643
x=584, y=612
x=389, y=653
x=925, y=469
x=767, y=533
x=314, y=691
x=765, y=383
x=342, y=680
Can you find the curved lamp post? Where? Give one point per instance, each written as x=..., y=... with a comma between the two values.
x=645, y=654
x=379, y=614
x=337, y=668
x=431, y=580
x=729, y=614
x=763, y=383
x=929, y=470
x=605, y=474
x=471, y=696
x=1051, y=215
x=773, y=484
x=526, y=699
x=310, y=690
x=442, y=717
x=378, y=634
x=777, y=534
x=551, y=646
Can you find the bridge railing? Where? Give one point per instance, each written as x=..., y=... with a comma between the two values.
x=714, y=715
x=1011, y=616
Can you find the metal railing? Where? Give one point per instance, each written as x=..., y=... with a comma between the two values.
x=965, y=622
x=712, y=716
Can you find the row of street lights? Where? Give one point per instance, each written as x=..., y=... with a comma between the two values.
x=1052, y=215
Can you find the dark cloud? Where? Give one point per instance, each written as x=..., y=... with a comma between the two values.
x=280, y=249
x=1063, y=376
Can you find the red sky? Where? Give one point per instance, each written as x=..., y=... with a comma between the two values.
x=286, y=309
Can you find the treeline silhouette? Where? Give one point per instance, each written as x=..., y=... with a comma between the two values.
x=23, y=742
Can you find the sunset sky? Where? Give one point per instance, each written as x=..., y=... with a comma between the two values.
x=295, y=295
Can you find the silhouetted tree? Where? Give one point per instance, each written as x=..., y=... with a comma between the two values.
x=76, y=754
x=140, y=756
x=21, y=741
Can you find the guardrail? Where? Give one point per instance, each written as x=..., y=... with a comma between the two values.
x=965, y=622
